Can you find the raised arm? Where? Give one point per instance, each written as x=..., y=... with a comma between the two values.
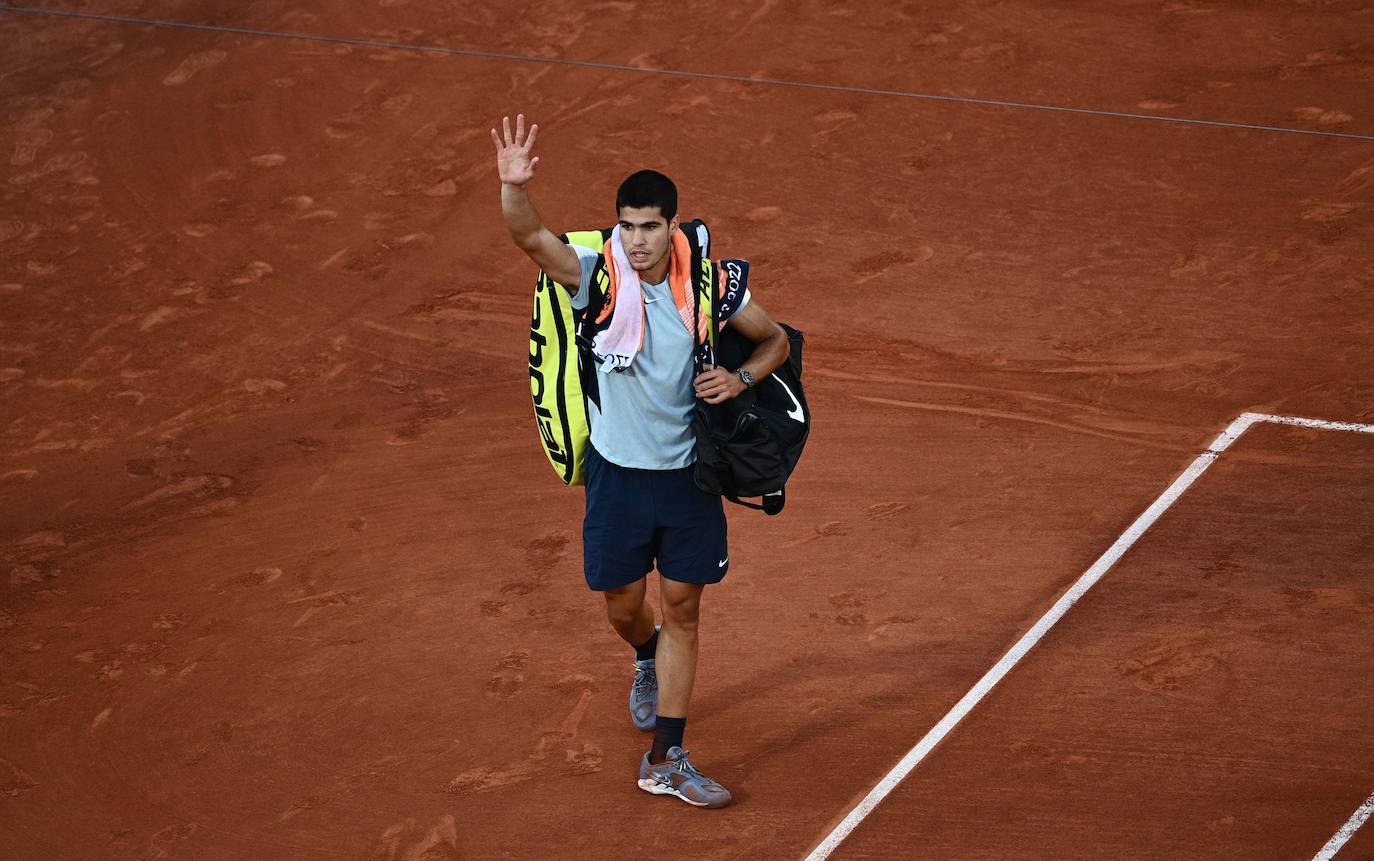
x=516, y=169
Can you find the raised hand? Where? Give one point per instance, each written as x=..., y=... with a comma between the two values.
x=513, y=162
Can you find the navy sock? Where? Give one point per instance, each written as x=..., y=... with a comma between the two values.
x=668, y=732
x=645, y=651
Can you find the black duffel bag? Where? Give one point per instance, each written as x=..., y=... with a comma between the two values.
x=748, y=446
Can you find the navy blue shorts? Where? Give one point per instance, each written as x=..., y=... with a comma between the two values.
x=636, y=517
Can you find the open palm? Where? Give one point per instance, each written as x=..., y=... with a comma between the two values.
x=513, y=161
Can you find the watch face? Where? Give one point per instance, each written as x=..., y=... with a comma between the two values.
x=747, y=377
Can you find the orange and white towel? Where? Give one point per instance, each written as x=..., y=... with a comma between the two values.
x=616, y=345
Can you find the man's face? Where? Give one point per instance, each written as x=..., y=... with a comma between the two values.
x=646, y=234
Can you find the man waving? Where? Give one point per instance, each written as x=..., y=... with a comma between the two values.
x=643, y=508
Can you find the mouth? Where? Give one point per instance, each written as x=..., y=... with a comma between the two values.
x=639, y=256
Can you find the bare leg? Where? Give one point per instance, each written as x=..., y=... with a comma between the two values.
x=630, y=614
x=677, y=646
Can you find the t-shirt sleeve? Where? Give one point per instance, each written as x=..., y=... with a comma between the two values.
x=586, y=258
x=732, y=288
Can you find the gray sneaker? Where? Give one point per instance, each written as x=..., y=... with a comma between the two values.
x=644, y=695
x=679, y=777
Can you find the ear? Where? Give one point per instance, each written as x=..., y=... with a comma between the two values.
x=672, y=225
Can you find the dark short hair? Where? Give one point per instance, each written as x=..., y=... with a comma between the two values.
x=647, y=188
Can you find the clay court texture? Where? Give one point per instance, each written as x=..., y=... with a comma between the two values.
x=284, y=573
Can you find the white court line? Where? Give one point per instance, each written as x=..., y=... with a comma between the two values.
x=1076, y=591
x=1313, y=423
x=1346, y=831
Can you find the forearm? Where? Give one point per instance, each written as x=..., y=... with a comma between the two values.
x=720, y=383
x=522, y=220
x=557, y=259
x=768, y=354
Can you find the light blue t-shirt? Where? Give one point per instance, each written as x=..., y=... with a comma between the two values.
x=645, y=417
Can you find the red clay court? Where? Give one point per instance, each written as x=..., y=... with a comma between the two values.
x=284, y=573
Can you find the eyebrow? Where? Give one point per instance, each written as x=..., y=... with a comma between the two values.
x=651, y=223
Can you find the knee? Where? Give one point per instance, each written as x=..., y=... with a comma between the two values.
x=682, y=614
x=622, y=609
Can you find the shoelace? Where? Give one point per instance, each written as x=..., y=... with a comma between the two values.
x=687, y=768
x=645, y=679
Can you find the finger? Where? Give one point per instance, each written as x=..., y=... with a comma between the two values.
x=496, y=139
x=533, y=162
x=519, y=128
x=529, y=141
x=505, y=127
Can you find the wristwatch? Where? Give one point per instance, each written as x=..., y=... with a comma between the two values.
x=747, y=378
